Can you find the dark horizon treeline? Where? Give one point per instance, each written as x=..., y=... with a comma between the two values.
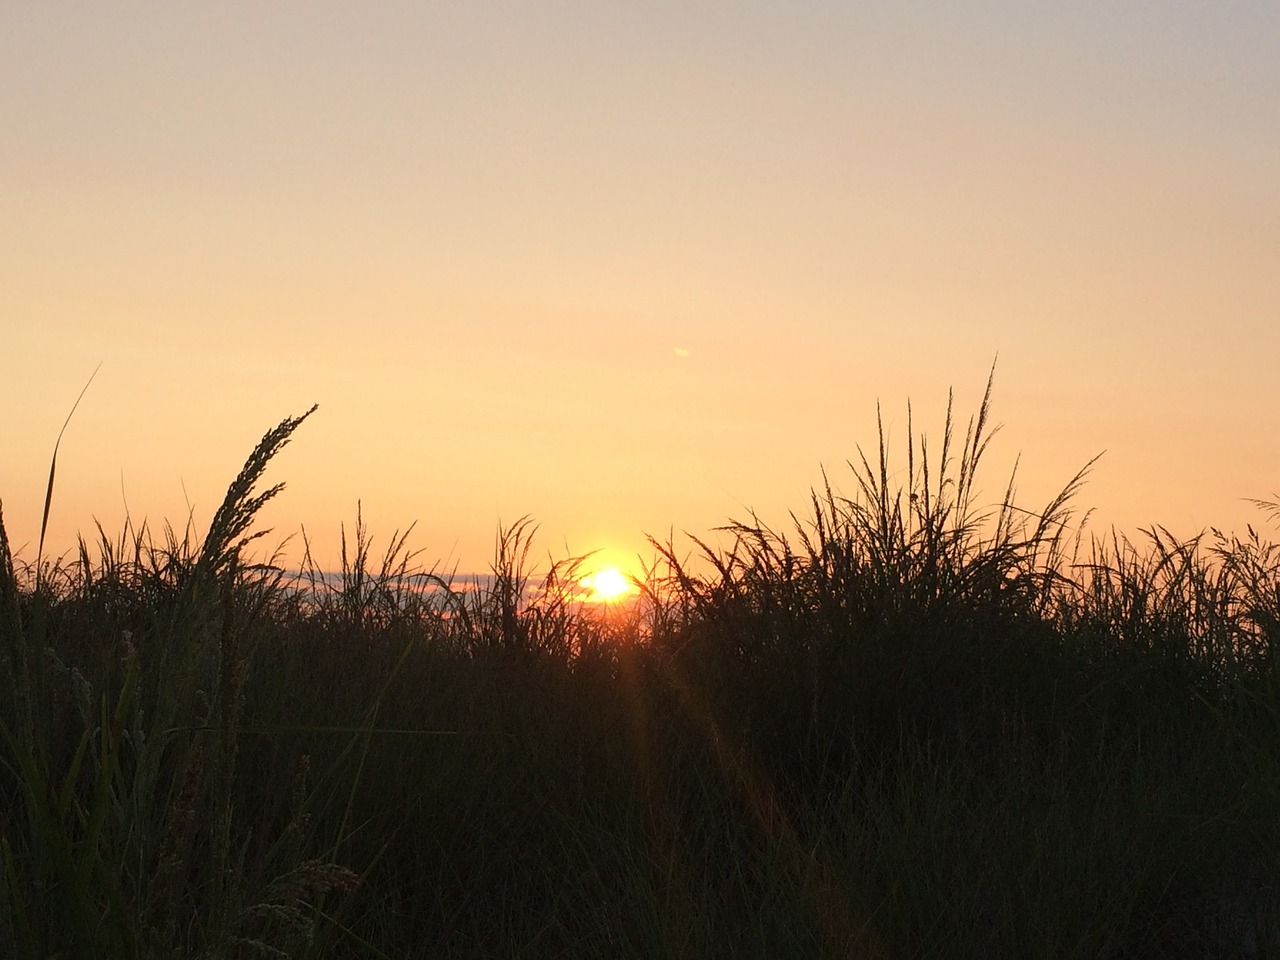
x=905, y=728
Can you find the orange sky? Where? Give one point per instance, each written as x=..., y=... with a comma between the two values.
x=631, y=268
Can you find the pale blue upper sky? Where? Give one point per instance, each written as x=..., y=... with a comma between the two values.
x=477, y=235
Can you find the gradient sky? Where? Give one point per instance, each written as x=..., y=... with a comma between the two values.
x=631, y=268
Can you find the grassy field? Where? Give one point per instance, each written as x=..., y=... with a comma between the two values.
x=907, y=727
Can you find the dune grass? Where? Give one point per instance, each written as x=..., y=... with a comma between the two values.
x=912, y=725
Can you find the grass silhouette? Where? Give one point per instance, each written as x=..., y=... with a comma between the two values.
x=910, y=726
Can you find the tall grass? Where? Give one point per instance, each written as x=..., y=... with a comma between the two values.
x=121, y=747
x=915, y=724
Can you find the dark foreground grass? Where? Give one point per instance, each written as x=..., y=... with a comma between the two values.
x=905, y=728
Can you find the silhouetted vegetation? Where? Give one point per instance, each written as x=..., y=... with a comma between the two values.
x=907, y=727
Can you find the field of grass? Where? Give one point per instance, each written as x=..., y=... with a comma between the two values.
x=907, y=727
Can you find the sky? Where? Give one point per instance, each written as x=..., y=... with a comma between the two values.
x=631, y=268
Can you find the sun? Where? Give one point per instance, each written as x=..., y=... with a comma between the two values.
x=607, y=585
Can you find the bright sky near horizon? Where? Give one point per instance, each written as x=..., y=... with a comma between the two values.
x=631, y=268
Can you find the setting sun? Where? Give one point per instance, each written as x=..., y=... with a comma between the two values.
x=607, y=585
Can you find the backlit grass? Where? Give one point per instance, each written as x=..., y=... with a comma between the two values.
x=912, y=725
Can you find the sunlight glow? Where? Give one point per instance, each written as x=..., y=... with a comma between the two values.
x=607, y=585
